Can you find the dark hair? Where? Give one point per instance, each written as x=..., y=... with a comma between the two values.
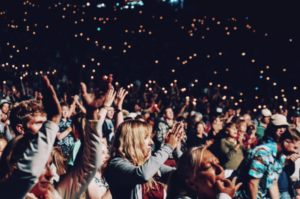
x=78, y=121
x=292, y=134
x=228, y=126
x=64, y=104
x=180, y=119
x=163, y=111
x=138, y=117
x=13, y=151
x=271, y=131
x=151, y=118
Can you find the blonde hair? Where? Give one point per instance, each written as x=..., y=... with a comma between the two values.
x=59, y=160
x=129, y=143
x=187, y=167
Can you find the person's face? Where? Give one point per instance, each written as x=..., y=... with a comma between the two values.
x=147, y=148
x=280, y=130
x=65, y=111
x=169, y=114
x=247, y=119
x=232, y=132
x=137, y=108
x=266, y=120
x=151, y=123
x=35, y=123
x=243, y=127
x=291, y=147
x=297, y=120
x=5, y=108
x=105, y=155
x=3, y=144
x=146, y=116
x=42, y=187
x=110, y=113
x=209, y=172
x=200, y=129
x=230, y=112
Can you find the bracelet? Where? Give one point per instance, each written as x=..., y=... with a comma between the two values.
x=105, y=107
x=119, y=110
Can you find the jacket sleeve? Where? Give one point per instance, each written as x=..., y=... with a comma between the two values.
x=130, y=175
x=227, y=150
x=31, y=164
x=78, y=177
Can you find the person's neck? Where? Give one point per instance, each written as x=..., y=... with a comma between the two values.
x=108, y=119
x=169, y=121
x=264, y=124
x=231, y=139
x=64, y=119
x=200, y=135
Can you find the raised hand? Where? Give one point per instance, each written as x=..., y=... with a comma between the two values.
x=109, y=96
x=90, y=102
x=225, y=186
x=50, y=101
x=174, y=137
x=120, y=98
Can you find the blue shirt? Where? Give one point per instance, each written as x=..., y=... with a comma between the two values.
x=262, y=162
x=69, y=140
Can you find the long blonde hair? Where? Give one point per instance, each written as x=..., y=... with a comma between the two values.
x=186, y=169
x=129, y=143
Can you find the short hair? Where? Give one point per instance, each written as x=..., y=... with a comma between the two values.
x=165, y=109
x=64, y=104
x=180, y=119
x=21, y=113
x=229, y=125
x=292, y=134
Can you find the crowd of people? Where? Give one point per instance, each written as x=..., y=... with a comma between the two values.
x=157, y=131
x=93, y=148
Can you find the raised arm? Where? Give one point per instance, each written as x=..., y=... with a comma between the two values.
x=78, y=178
x=118, y=104
x=33, y=160
x=129, y=175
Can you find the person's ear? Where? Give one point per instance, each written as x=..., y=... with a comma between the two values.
x=20, y=128
x=190, y=183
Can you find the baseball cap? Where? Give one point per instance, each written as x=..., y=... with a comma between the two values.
x=266, y=112
x=279, y=120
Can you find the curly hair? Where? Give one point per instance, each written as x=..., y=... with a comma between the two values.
x=21, y=113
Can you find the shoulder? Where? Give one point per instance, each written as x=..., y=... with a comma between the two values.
x=117, y=161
